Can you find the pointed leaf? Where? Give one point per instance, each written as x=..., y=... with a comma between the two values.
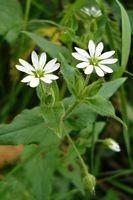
x=27, y=127
x=109, y=88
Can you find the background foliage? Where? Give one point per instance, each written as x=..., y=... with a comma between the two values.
x=47, y=168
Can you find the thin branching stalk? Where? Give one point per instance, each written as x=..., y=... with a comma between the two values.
x=84, y=167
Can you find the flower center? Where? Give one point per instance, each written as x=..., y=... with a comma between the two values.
x=38, y=73
x=93, y=61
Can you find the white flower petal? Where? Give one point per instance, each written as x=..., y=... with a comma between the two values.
x=50, y=64
x=99, y=71
x=99, y=49
x=108, y=61
x=86, y=11
x=46, y=80
x=82, y=52
x=89, y=69
x=79, y=57
x=98, y=14
x=106, y=69
x=34, y=58
x=114, y=147
x=82, y=65
x=26, y=64
x=93, y=9
x=112, y=144
x=27, y=79
x=51, y=76
x=23, y=69
x=52, y=68
x=34, y=82
x=106, y=55
x=91, y=47
x=42, y=60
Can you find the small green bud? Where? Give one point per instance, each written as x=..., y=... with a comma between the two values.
x=90, y=182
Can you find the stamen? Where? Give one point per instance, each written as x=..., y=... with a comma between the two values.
x=93, y=61
x=38, y=73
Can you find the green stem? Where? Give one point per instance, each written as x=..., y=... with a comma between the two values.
x=129, y=73
x=123, y=187
x=63, y=90
x=26, y=17
x=87, y=80
x=122, y=173
x=42, y=88
x=44, y=92
x=40, y=92
x=27, y=11
x=78, y=154
x=92, y=148
x=71, y=107
x=69, y=110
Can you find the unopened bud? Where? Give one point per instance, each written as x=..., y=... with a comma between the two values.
x=112, y=144
x=90, y=182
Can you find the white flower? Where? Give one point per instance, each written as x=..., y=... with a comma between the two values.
x=39, y=70
x=95, y=59
x=112, y=144
x=93, y=11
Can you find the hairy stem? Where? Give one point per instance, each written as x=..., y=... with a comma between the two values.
x=92, y=148
x=70, y=109
x=85, y=169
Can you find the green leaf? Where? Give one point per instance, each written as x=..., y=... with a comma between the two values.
x=69, y=74
x=74, y=80
x=71, y=169
x=93, y=88
x=13, y=188
x=126, y=35
x=130, y=14
x=109, y=88
x=55, y=91
x=85, y=136
x=27, y=127
x=40, y=173
x=81, y=116
x=52, y=49
x=42, y=22
x=48, y=95
x=10, y=19
x=126, y=43
x=69, y=18
x=53, y=117
x=103, y=107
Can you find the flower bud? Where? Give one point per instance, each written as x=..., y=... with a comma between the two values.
x=90, y=182
x=112, y=144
